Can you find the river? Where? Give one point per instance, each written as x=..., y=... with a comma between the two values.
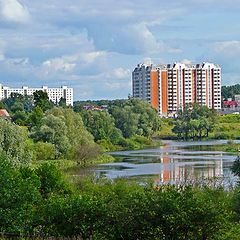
x=174, y=162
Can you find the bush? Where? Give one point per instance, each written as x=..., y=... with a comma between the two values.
x=129, y=144
x=44, y=151
x=14, y=142
x=236, y=167
x=141, y=140
x=106, y=145
x=86, y=152
x=52, y=180
x=19, y=197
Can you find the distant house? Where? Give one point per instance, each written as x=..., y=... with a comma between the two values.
x=230, y=104
x=95, y=108
x=237, y=99
x=4, y=114
x=230, y=107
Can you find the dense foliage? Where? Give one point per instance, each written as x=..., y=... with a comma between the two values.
x=230, y=91
x=127, y=123
x=194, y=122
x=38, y=199
x=58, y=132
x=42, y=202
x=135, y=117
x=14, y=142
x=227, y=127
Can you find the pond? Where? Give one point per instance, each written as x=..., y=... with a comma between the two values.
x=174, y=162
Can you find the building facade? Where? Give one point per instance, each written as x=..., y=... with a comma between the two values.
x=169, y=87
x=54, y=94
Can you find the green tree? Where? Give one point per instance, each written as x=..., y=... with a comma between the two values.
x=75, y=129
x=53, y=130
x=62, y=103
x=35, y=117
x=13, y=141
x=52, y=181
x=19, y=197
x=44, y=151
x=17, y=106
x=134, y=116
x=101, y=125
x=18, y=102
x=194, y=121
x=126, y=120
x=20, y=118
x=41, y=99
x=230, y=91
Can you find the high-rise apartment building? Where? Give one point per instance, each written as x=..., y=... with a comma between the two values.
x=169, y=87
x=54, y=94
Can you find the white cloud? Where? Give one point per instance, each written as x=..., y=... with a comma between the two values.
x=58, y=64
x=139, y=38
x=228, y=48
x=94, y=45
x=186, y=61
x=117, y=79
x=68, y=63
x=2, y=57
x=118, y=86
x=14, y=11
x=120, y=73
x=91, y=56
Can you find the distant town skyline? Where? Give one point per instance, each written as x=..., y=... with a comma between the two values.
x=92, y=46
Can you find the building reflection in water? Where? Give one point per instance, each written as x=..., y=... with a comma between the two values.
x=179, y=170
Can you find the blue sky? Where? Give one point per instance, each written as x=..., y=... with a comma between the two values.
x=94, y=45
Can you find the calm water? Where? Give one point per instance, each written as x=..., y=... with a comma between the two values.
x=174, y=162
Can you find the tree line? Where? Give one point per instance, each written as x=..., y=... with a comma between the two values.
x=230, y=91
x=42, y=130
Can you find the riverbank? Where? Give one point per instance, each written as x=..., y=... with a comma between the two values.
x=230, y=147
x=84, y=207
x=226, y=127
x=134, y=143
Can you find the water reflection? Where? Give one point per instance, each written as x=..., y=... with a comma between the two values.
x=175, y=162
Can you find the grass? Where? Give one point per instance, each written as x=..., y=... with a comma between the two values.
x=60, y=163
x=227, y=127
x=65, y=164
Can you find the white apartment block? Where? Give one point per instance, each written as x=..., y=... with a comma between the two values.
x=54, y=94
x=169, y=87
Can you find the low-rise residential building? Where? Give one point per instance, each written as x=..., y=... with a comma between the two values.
x=54, y=94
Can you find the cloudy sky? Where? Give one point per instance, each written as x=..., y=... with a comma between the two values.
x=93, y=45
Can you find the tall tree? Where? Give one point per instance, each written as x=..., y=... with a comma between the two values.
x=194, y=121
x=35, y=117
x=53, y=130
x=41, y=99
x=14, y=142
x=101, y=125
x=134, y=116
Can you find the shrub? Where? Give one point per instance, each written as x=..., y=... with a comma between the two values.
x=44, y=151
x=86, y=152
x=52, y=180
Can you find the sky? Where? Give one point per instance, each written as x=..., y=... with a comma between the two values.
x=94, y=45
